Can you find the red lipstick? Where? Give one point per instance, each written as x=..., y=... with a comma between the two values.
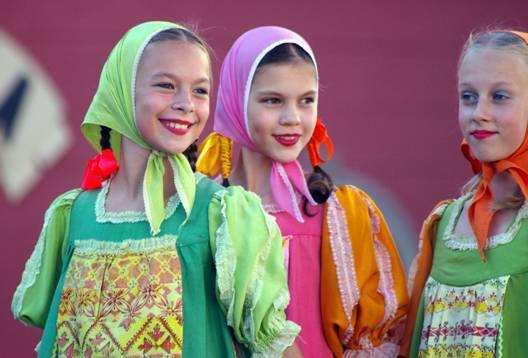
x=482, y=134
x=176, y=125
x=287, y=139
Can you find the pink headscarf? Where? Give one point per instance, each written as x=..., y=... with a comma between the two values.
x=231, y=119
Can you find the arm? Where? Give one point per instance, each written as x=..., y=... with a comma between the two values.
x=419, y=271
x=364, y=296
x=33, y=295
x=251, y=281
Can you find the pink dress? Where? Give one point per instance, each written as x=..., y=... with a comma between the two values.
x=302, y=255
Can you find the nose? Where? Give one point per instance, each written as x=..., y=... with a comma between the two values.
x=182, y=101
x=482, y=111
x=290, y=116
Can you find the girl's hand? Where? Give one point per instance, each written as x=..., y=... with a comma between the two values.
x=292, y=352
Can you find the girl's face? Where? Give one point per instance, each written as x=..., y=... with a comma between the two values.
x=493, y=102
x=282, y=109
x=172, y=94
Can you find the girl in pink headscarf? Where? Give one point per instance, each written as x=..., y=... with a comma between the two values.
x=346, y=280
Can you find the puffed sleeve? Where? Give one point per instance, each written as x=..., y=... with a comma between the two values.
x=419, y=271
x=32, y=298
x=251, y=281
x=363, y=289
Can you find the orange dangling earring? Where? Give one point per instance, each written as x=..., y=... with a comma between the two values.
x=320, y=136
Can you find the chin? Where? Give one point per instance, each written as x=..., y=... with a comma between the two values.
x=282, y=155
x=487, y=157
x=177, y=147
x=285, y=159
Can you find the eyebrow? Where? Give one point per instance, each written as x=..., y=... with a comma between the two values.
x=172, y=76
x=274, y=93
x=497, y=84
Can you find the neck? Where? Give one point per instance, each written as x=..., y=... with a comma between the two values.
x=503, y=186
x=252, y=172
x=132, y=166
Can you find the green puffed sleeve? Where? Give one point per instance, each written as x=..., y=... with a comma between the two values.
x=251, y=280
x=33, y=295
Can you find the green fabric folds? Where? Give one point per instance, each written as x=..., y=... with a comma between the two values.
x=251, y=280
x=515, y=313
x=113, y=106
x=45, y=264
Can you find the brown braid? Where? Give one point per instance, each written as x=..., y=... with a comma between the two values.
x=191, y=153
x=105, y=138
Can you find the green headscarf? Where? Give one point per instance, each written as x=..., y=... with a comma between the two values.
x=113, y=106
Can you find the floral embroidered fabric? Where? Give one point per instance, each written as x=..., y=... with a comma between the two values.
x=462, y=321
x=103, y=312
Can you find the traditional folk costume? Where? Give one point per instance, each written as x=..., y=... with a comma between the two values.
x=345, y=276
x=469, y=293
x=201, y=275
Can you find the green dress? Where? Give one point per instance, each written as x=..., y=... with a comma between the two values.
x=208, y=286
x=471, y=308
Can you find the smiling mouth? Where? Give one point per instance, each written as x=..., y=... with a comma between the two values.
x=287, y=140
x=176, y=126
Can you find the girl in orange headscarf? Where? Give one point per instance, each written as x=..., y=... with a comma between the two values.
x=471, y=281
x=345, y=277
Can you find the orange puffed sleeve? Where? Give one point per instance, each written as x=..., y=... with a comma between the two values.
x=363, y=287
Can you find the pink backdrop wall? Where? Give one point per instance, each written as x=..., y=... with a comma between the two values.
x=388, y=95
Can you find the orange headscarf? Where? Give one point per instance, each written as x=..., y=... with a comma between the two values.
x=480, y=212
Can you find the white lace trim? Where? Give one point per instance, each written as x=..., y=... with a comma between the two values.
x=226, y=262
x=291, y=192
x=343, y=257
x=287, y=334
x=386, y=281
x=463, y=243
x=309, y=197
x=383, y=261
x=32, y=268
x=385, y=350
x=99, y=247
x=119, y=217
x=275, y=209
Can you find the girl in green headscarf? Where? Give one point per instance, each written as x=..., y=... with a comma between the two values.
x=153, y=259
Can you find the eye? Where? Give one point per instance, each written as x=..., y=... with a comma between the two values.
x=201, y=91
x=468, y=97
x=308, y=100
x=500, y=96
x=271, y=100
x=164, y=85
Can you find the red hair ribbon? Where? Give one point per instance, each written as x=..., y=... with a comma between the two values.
x=319, y=136
x=99, y=168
